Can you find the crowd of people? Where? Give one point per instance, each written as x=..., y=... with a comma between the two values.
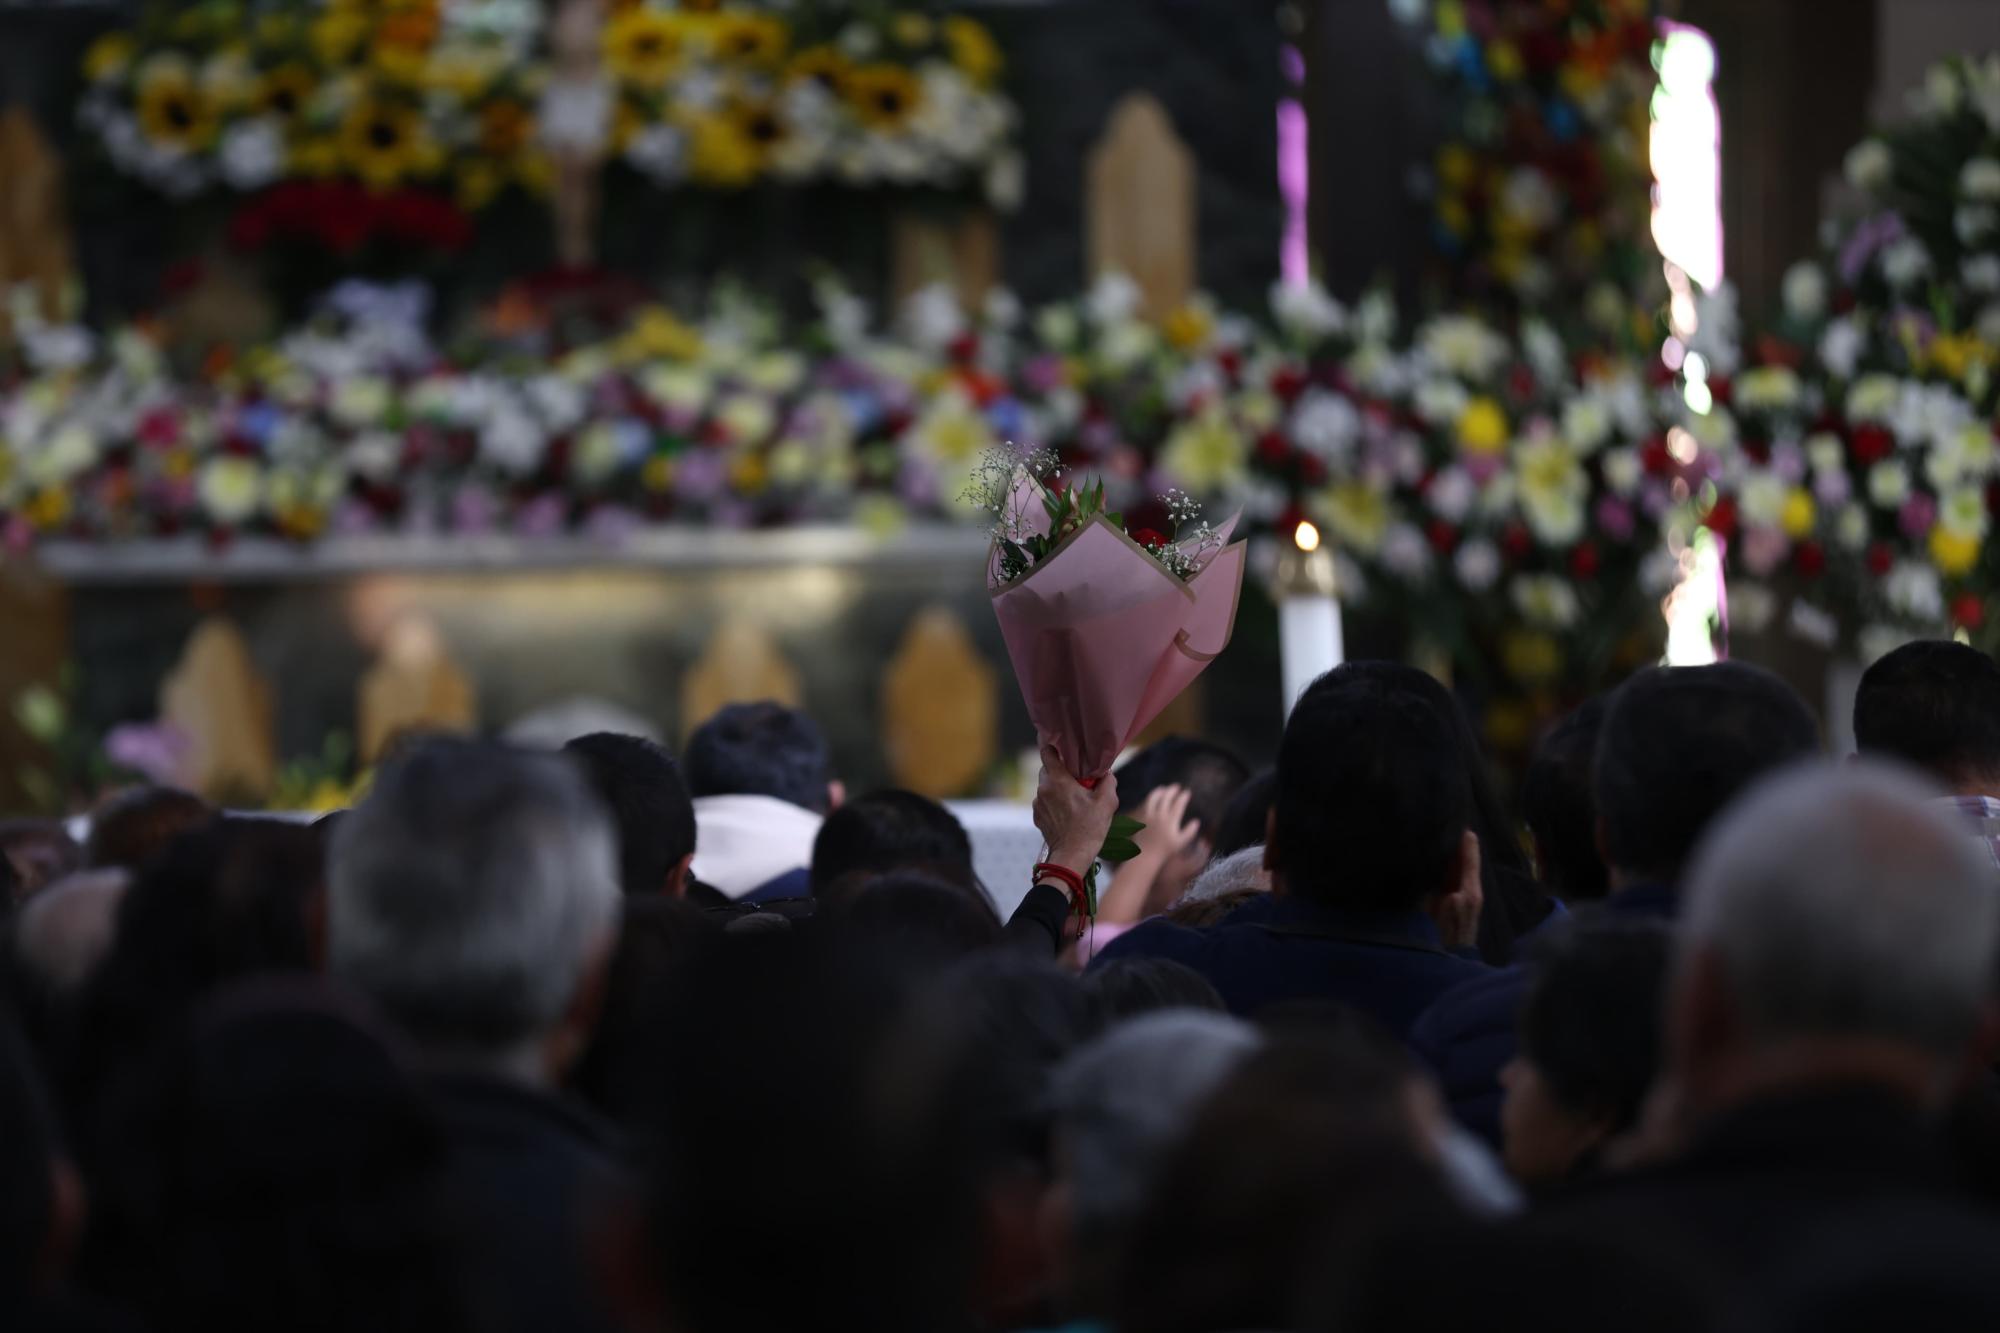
x=1701, y=1036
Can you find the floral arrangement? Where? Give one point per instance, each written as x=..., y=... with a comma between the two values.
x=1009, y=485
x=1854, y=439
x=385, y=95
x=1539, y=188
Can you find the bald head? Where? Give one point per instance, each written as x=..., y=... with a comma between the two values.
x=64, y=931
x=1838, y=906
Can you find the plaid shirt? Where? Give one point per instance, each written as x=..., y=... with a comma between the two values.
x=1982, y=817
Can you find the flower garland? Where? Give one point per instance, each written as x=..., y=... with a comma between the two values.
x=394, y=94
x=1539, y=188
x=1855, y=439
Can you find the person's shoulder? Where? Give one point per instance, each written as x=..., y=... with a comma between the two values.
x=1486, y=999
x=1155, y=937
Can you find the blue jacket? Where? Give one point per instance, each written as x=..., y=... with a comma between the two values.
x=1279, y=948
x=1470, y=1034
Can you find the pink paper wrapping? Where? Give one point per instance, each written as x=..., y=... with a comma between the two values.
x=1103, y=638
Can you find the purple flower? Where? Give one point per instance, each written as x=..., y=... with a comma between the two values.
x=474, y=510
x=543, y=516
x=1918, y=515
x=158, y=750
x=1615, y=518
x=1833, y=487
x=700, y=475
x=1876, y=233
x=611, y=525
x=1788, y=461
x=1043, y=374
x=352, y=518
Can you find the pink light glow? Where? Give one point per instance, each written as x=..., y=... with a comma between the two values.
x=1293, y=262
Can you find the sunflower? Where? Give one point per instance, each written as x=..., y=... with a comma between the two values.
x=504, y=126
x=477, y=182
x=824, y=65
x=172, y=110
x=283, y=92
x=721, y=152
x=643, y=47
x=751, y=39
x=379, y=142
x=108, y=57
x=336, y=34
x=972, y=49
x=758, y=121
x=884, y=96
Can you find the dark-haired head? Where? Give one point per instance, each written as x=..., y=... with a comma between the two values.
x=1127, y=987
x=41, y=852
x=1934, y=704
x=1677, y=745
x=1589, y=1048
x=1557, y=803
x=1372, y=802
x=761, y=749
x=641, y=786
x=134, y=827
x=1211, y=774
x=886, y=832
x=926, y=923
x=1247, y=817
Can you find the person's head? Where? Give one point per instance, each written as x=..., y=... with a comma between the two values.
x=1118, y=1104
x=278, y=1163
x=132, y=828
x=1229, y=875
x=641, y=786
x=1247, y=817
x=64, y=932
x=1835, y=925
x=1676, y=747
x=618, y=1072
x=928, y=922
x=1212, y=778
x=886, y=832
x=474, y=897
x=1557, y=804
x=1934, y=704
x=1372, y=805
x=762, y=749
x=1309, y=1144
x=1201, y=913
x=1127, y=987
x=1589, y=1046
x=40, y=850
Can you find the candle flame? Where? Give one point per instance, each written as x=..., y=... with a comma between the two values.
x=1307, y=537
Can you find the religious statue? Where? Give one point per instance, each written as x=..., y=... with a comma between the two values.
x=575, y=126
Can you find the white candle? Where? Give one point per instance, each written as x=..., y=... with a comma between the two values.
x=1309, y=636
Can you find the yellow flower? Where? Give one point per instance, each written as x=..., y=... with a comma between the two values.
x=1510, y=725
x=399, y=62
x=231, y=489
x=1205, y=453
x=657, y=475
x=49, y=509
x=1482, y=427
x=504, y=126
x=749, y=475
x=379, y=142
x=318, y=158
x=464, y=72
x=657, y=334
x=643, y=47
x=1799, y=514
x=1503, y=61
x=751, y=39
x=912, y=29
x=758, y=121
x=1356, y=514
x=172, y=109
x=1951, y=553
x=535, y=171
x=1190, y=327
x=1531, y=656
x=824, y=65
x=336, y=34
x=721, y=153
x=478, y=182
x=1553, y=490
x=108, y=57
x=884, y=96
x=972, y=49
x=283, y=92
x=1956, y=354
x=1454, y=166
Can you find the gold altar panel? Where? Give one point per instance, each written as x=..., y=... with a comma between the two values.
x=940, y=716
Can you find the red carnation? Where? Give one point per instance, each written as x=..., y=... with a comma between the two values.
x=1809, y=559
x=1871, y=444
x=963, y=348
x=1273, y=448
x=1443, y=536
x=1584, y=560
x=1148, y=538
x=1516, y=542
x=1967, y=611
x=1288, y=382
x=1653, y=457
x=1721, y=519
x=1880, y=558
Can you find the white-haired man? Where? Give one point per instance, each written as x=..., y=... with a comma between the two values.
x=474, y=897
x=1836, y=968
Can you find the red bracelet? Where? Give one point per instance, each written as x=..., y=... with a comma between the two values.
x=1078, y=895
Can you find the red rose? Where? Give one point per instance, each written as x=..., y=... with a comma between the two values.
x=1289, y=520
x=1654, y=458
x=1721, y=519
x=963, y=348
x=1148, y=538
x=1584, y=560
x=1288, y=382
x=1443, y=536
x=1231, y=362
x=1968, y=611
x=1273, y=448
x=1809, y=559
x=1516, y=542
x=1312, y=472
x=1722, y=389
x=1521, y=383
x=1871, y=444
x=1880, y=558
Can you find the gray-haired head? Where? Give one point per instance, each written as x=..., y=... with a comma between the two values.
x=1229, y=874
x=63, y=932
x=1123, y=1099
x=1842, y=905
x=468, y=894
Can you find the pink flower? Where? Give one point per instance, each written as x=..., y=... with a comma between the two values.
x=1615, y=518
x=158, y=750
x=1763, y=549
x=1833, y=487
x=1918, y=515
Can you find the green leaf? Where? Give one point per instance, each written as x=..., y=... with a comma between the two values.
x=1116, y=520
x=1124, y=826
x=1118, y=849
